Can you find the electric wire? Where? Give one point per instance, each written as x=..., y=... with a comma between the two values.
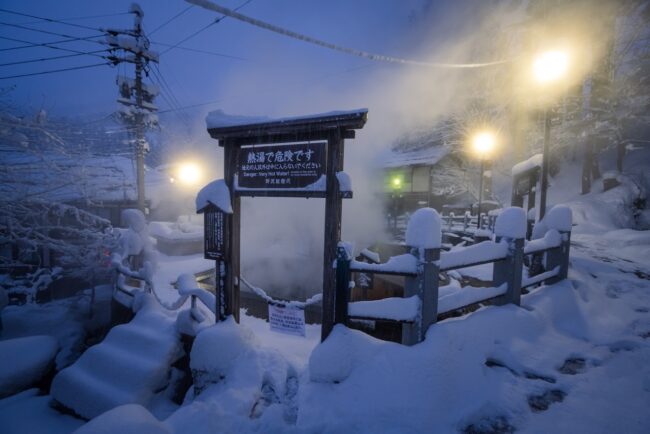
x=44, y=44
x=45, y=31
x=51, y=20
x=206, y=4
x=43, y=59
x=49, y=46
x=215, y=21
x=171, y=19
x=55, y=70
x=196, y=50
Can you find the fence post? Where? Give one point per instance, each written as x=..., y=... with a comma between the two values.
x=559, y=218
x=410, y=331
x=509, y=271
x=428, y=290
x=510, y=227
x=342, y=292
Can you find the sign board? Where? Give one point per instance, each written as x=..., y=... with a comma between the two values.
x=279, y=167
x=214, y=222
x=286, y=319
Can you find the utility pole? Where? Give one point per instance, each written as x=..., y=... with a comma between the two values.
x=138, y=113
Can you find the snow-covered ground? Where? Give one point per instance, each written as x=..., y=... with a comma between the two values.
x=575, y=357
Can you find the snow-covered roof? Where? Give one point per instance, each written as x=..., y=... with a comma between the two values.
x=219, y=119
x=426, y=156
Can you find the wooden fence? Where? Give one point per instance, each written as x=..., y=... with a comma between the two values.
x=423, y=301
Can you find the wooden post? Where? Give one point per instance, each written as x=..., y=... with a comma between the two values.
x=333, y=211
x=509, y=271
x=343, y=277
x=231, y=290
x=559, y=257
x=410, y=333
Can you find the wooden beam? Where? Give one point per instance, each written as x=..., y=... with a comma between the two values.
x=333, y=211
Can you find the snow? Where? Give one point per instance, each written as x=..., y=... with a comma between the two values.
x=215, y=193
x=466, y=296
x=538, y=278
x=534, y=161
x=559, y=217
x=345, y=182
x=394, y=308
x=428, y=156
x=25, y=361
x=30, y=412
x=373, y=256
x=423, y=229
x=406, y=264
x=219, y=119
x=481, y=252
x=511, y=223
x=552, y=238
x=126, y=367
x=125, y=419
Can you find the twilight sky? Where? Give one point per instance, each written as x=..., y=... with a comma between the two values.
x=276, y=75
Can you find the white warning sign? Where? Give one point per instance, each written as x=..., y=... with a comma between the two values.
x=288, y=320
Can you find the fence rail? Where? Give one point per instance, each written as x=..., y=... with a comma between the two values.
x=422, y=303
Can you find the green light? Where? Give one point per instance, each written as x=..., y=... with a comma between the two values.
x=397, y=182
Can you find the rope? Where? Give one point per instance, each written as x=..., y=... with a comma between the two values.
x=206, y=4
x=295, y=304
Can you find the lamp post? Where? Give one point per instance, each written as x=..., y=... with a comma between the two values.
x=548, y=67
x=483, y=144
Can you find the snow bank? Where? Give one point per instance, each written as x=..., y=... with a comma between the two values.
x=559, y=217
x=394, y=308
x=25, y=361
x=406, y=264
x=344, y=349
x=125, y=419
x=134, y=219
x=466, y=296
x=216, y=348
x=423, y=229
x=215, y=193
x=511, y=223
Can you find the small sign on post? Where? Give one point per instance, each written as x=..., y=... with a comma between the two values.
x=214, y=222
x=287, y=319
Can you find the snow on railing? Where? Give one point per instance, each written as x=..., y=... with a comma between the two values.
x=317, y=298
x=392, y=308
x=423, y=300
x=481, y=253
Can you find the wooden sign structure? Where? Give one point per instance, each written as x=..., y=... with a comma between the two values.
x=293, y=157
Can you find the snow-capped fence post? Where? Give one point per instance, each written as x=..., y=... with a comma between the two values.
x=343, y=279
x=510, y=227
x=559, y=218
x=423, y=236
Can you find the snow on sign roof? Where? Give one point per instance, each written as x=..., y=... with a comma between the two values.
x=427, y=156
x=221, y=125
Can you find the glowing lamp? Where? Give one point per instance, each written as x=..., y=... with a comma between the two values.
x=550, y=66
x=483, y=143
x=189, y=173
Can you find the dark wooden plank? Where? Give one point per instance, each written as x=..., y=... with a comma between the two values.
x=333, y=210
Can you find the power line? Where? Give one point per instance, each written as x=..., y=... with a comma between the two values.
x=51, y=20
x=171, y=19
x=42, y=31
x=206, y=4
x=195, y=50
x=43, y=59
x=54, y=70
x=87, y=17
x=36, y=44
x=216, y=21
x=48, y=46
x=189, y=106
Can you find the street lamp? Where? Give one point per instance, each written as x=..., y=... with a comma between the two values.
x=548, y=67
x=189, y=173
x=483, y=144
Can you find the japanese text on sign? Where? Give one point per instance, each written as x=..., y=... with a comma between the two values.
x=282, y=166
x=288, y=320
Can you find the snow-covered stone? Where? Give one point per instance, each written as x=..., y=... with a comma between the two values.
x=215, y=193
x=560, y=218
x=511, y=223
x=423, y=229
x=25, y=361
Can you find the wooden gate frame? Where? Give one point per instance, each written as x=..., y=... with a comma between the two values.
x=333, y=128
